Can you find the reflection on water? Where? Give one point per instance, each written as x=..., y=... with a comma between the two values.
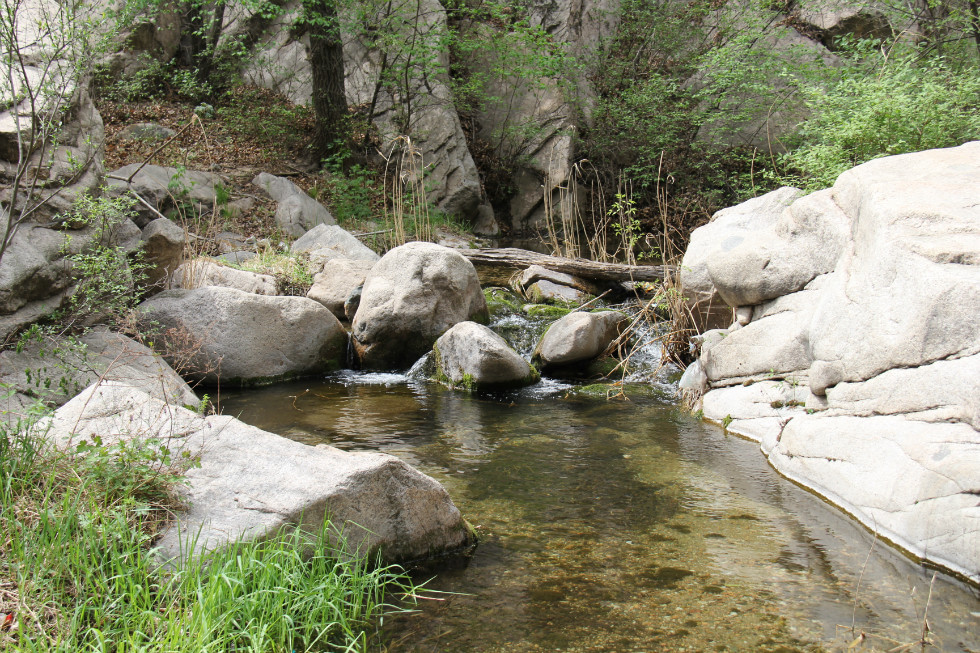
x=618, y=526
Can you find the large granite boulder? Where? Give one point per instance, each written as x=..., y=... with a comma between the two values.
x=332, y=241
x=471, y=356
x=855, y=357
x=241, y=338
x=578, y=337
x=53, y=370
x=251, y=484
x=296, y=212
x=334, y=284
x=410, y=298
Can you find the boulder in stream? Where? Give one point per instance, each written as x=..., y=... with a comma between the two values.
x=855, y=358
x=578, y=337
x=471, y=356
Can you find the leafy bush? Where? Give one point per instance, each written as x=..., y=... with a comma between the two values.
x=896, y=106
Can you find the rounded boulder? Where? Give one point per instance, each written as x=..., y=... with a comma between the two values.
x=211, y=334
x=411, y=297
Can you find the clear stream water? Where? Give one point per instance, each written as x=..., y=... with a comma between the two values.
x=618, y=525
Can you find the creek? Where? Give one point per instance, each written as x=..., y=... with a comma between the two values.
x=620, y=524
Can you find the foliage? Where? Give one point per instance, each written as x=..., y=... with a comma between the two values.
x=293, y=272
x=268, y=118
x=78, y=571
x=106, y=278
x=883, y=106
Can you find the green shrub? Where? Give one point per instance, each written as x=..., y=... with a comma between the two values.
x=905, y=104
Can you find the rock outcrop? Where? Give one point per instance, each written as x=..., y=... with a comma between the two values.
x=410, y=298
x=855, y=356
x=251, y=484
x=471, y=356
x=414, y=38
x=239, y=338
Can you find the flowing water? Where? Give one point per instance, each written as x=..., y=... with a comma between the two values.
x=618, y=525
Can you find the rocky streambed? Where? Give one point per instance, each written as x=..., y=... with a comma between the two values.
x=615, y=525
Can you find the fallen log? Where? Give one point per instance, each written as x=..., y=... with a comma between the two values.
x=497, y=266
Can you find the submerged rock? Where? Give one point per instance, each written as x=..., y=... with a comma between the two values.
x=410, y=298
x=470, y=355
x=240, y=338
x=860, y=303
x=250, y=483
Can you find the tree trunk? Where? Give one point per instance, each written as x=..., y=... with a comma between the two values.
x=327, y=63
x=498, y=265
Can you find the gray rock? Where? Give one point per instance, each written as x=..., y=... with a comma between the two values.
x=207, y=272
x=241, y=338
x=236, y=258
x=296, y=212
x=547, y=292
x=772, y=347
x=163, y=250
x=470, y=355
x=32, y=267
x=352, y=303
x=250, y=483
x=906, y=290
x=146, y=131
x=166, y=189
x=578, y=337
x=943, y=391
x=411, y=297
x=804, y=242
x=53, y=370
x=486, y=222
x=835, y=18
x=334, y=284
x=536, y=273
x=229, y=241
x=437, y=136
x=534, y=119
x=339, y=242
